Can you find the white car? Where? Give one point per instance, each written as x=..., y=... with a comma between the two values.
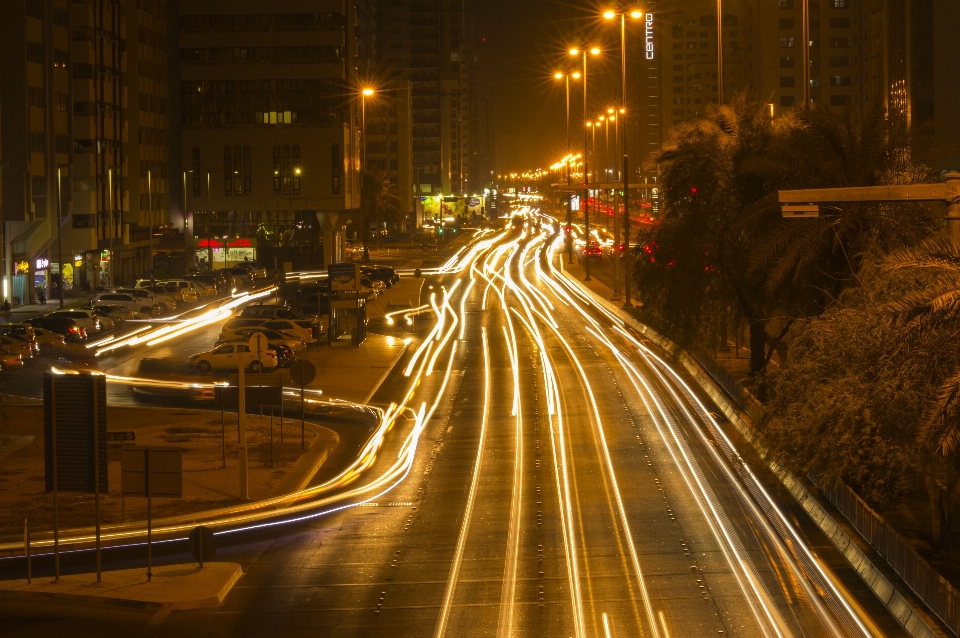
x=227, y=357
x=129, y=301
x=273, y=336
x=146, y=297
x=298, y=328
x=89, y=320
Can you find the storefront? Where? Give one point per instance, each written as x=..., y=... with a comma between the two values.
x=19, y=289
x=41, y=276
x=236, y=251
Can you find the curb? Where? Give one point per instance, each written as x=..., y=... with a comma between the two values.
x=888, y=594
x=126, y=603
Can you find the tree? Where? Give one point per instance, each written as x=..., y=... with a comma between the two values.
x=378, y=205
x=694, y=264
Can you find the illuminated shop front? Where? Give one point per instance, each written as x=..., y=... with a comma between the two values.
x=237, y=251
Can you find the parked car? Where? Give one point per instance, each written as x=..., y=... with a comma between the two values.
x=229, y=356
x=241, y=322
x=377, y=272
x=48, y=341
x=258, y=271
x=273, y=336
x=66, y=326
x=182, y=289
x=164, y=298
x=146, y=297
x=127, y=300
x=285, y=356
x=13, y=344
x=374, y=286
x=302, y=328
x=274, y=312
x=87, y=319
x=117, y=313
x=10, y=360
x=18, y=329
x=207, y=280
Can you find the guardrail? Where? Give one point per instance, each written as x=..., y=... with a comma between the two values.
x=939, y=595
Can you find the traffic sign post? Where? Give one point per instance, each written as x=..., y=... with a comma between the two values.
x=151, y=471
x=203, y=544
x=302, y=372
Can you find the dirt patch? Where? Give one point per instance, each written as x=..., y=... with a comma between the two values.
x=206, y=484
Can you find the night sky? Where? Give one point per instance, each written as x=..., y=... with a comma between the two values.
x=527, y=42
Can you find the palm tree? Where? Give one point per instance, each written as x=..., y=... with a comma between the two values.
x=933, y=315
x=378, y=205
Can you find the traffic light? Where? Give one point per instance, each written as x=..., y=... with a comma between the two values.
x=567, y=229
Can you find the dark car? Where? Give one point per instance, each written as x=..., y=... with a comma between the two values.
x=206, y=279
x=62, y=326
x=377, y=272
x=285, y=356
x=593, y=249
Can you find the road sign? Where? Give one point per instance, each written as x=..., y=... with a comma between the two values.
x=344, y=276
x=801, y=210
x=119, y=438
x=75, y=416
x=258, y=343
x=302, y=372
x=203, y=544
x=154, y=468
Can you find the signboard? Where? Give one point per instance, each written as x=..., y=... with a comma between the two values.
x=648, y=36
x=344, y=276
x=302, y=372
x=119, y=438
x=43, y=263
x=159, y=469
x=473, y=202
x=22, y=268
x=75, y=415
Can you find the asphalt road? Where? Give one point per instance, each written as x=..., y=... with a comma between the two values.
x=566, y=482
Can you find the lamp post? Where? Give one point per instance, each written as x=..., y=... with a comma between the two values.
x=60, y=233
x=586, y=191
x=225, y=237
x=636, y=14
x=566, y=78
x=150, y=207
x=209, y=226
x=113, y=261
x=185, y=205
x=364, y=94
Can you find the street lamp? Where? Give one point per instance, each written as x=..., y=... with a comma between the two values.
x=635, y=13
x=364, y=94
x=566, y=77
x=586, y=192
x=225, y=250
x=60, y=231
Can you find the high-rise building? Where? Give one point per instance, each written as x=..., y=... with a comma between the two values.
x=388, y=140
x=429, y=43
x=36, y=139
x=271, y=102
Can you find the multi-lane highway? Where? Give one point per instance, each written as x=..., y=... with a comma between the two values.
x=539, y=469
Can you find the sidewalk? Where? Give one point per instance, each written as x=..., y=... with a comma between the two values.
x=173, y=588
x=27, y=311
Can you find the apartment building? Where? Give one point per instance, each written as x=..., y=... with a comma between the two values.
x=270, y=138
x=388, y=135
x=430, y=44
x=36, y=139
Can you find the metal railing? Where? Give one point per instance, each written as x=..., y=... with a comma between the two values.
x=940, y=596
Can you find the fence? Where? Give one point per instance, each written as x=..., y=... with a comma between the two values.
x=939, y=595
x=727, y=381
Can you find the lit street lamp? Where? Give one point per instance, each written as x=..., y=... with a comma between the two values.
x=586, y=192
x=635, y=13
x=566, y=78
x=364, y=94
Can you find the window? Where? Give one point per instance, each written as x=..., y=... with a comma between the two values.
x=786, y=4
x=38, y=186
x=35, y=9
x=34, y=52
x=247, y=175
x=839, y=4
x=196, y=171
x=62, y=144
x=237, y=171
x=839, y=23
x=839, y=100
x=36, y=97
x=788, y=81
x=276, y=170
x=788, y=100
x=227, y=171
x=787, y=63
x=335, y=168
x=840, y=61
x=786, y=23
x=37, y=142
x=786, y=43
x=840, y=80
x=286, y=170
x=61, y=17
x=60, y=59
x=61, y=101
x=677, y=67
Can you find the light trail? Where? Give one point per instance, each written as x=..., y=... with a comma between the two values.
x=447, y=604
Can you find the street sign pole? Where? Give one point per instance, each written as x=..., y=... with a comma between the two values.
x=302, y=415
x=242, y=426
x=146, y=478
x=223, y=432
x=96, y=482
x=56, y=509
